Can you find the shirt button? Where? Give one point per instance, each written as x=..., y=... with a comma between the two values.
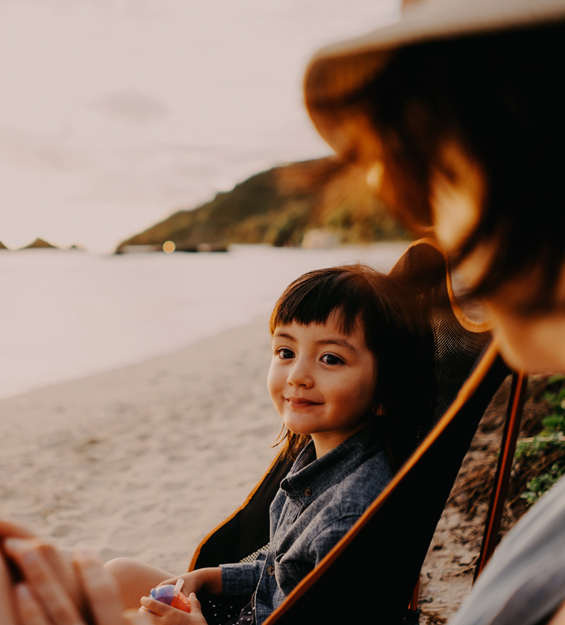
x=271, y=570
x=308, y=492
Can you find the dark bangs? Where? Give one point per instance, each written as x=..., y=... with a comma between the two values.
x=316, y=295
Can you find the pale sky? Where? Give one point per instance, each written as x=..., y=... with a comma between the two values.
x=116, y=113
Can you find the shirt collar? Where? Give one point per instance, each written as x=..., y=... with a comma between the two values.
x=310, y=476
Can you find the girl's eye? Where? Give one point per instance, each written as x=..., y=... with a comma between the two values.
x=284, y=353
x=331, y=359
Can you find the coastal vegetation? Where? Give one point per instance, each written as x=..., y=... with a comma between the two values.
x=539, y=460
x=278, y=207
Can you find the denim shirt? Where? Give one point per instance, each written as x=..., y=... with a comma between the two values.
x=316, y=504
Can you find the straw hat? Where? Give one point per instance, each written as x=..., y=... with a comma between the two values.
x=343, y=68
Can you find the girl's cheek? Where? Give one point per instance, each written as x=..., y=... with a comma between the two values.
x=274, y=379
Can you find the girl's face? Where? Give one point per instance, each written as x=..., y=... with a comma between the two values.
x=535, y=344
x=322, y=382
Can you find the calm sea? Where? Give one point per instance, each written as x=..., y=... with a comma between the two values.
x=70, y=314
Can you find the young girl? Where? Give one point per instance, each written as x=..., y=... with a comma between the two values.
x=342, y=342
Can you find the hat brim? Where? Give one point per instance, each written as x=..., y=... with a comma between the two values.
x=343, y=68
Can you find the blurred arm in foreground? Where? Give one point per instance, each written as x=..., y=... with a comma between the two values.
x=55, y=589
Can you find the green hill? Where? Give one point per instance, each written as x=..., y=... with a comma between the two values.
x=277, y=207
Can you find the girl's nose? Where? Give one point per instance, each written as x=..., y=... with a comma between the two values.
x=300, y=375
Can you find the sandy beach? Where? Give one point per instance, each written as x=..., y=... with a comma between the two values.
x=145, y=460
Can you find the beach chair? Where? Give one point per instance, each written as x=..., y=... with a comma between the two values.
x=370, y=575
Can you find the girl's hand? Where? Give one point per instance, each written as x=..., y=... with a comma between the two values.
x=165, y=615
x=193, y=583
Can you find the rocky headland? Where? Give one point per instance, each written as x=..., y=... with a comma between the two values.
x=278, y=207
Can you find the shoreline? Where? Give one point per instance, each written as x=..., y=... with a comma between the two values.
x=81, y=315
x=140, y=461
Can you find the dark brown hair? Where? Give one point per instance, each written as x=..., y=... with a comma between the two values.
x=501, y=96
x=396, y=332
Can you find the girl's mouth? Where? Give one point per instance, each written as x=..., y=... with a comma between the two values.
x=301, y=402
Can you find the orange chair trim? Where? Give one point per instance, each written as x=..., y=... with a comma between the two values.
x=502, y=475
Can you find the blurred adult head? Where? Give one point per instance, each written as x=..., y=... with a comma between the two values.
x=457, y=112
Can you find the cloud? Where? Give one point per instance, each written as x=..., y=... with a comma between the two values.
x=160, y=174
x=141, y=9
x=62, y=5
x=41, y=152
x=131, y=107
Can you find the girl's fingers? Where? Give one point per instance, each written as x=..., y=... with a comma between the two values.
x=7, y=607
x=29, y=611
x=99, y=588
x=171, y=616
x=42, y=581
x=195, y=607
x=154, y=606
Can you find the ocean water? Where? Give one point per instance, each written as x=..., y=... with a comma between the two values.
x=69, y=314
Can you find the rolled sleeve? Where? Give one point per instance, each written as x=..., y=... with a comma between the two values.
x=241, y=578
